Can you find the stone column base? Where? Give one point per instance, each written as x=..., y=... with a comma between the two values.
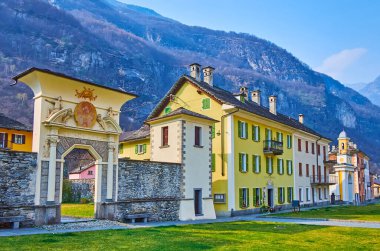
x=47, y=214
x=105, y=211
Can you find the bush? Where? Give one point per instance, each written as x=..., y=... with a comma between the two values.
x=67, y=192
x=84, y=200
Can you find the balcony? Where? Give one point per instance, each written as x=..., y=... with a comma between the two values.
x=323, y=180
x=272, y=147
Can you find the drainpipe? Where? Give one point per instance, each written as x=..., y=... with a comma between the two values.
x=320, y=150
x=222, y=129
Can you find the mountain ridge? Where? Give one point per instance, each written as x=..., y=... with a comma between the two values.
x=146, y=53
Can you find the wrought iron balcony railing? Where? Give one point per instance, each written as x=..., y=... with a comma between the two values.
x=273, y=147
x=323, y=180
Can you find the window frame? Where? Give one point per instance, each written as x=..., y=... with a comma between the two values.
x=198, y=136
x=208, y=102
x=165, y=140
x=289, y=141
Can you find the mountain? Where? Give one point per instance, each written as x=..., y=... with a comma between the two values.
x=372, y=91
x=143, y=52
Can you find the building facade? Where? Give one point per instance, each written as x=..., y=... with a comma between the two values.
x=15, y=136
x=135, y=144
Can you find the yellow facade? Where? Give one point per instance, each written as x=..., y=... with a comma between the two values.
x=23, y=142
x=138, y=149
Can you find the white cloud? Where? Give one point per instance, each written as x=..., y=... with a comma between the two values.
x=336, y=64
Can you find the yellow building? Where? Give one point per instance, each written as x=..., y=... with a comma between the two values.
x=252, y=146
x=135, y=144
x=14, y=135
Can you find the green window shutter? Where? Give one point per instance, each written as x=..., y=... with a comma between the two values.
x=254, y=197
x=213, y=162
x=261, y=196
x=253, y=132
x=239, y=128
x=258, y=132
x=278, y=195
x=144, y=148
x=291, y=167
x=278, y=166
x=240, y=162
x=277, y=136
x=266, y=133
x=241, y=197
x=267, y=164
x=205, y=103
x=247, y=197
x=259, y=164
x=213, y=131
x=247, y=162
x=246, y=130
x=253, y=163
x=136, y=149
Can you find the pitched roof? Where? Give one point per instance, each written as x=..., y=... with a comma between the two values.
x=183, y=111
x=82, y=168
x=141, y=133
x=226, y=97
x=9, y=123
x=58, y=74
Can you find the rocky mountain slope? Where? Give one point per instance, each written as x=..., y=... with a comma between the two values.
x=141, y=51
x=372, y=91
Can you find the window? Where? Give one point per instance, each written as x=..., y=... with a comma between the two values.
x=256, y=133
x=269, y=165
x=307, y=170
x=299, y=145
x=268, y=134
x=289, y=141
x=290, y=194
x=242, y=130
x=18, y=139
x=281, y=195
x=90, y=173
x=289, y=164
x=213, y=162
x=121, y=149
x=257, y=197
x=167, y=110
x=320, y=193
x=140, y=149
x=312, y=148
x=280, y=166
x=318, y=149
x=243, y=162
x=206, y=104
x=198, y=201
x=325, y=193
x=300, y=169
x=165, y=136
x=197, y=136
x=3, y=140
x=279, y=136
x=257, y=163
x=324, y=153
x=244, y=197
x=307, y=146
x=300, y=194
x=307, y=194
x=219, y=198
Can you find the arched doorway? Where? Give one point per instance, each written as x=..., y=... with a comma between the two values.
x=350, y=188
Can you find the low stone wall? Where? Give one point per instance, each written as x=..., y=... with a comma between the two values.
x=82, y=188
x=149, y=187
x=17, y=185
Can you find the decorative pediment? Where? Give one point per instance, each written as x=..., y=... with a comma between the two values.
x=61, y=116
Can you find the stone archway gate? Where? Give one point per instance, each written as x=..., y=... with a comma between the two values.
x=71, y=113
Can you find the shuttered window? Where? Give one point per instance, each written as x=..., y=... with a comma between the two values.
x=140, y=149
x=3, y=140
x=197, y=136
x=280, y=166
x=279, y=136
x=300, y=198
x=256, y=133
x=300, y=169
x=165, y=136
x=312, y=148
x=18, y=139
x=257, y=197
x=281, y=195
x=307, y=146
x=299, y=145
x=289, y=165
x=318, y=149
x=289, y=141
x=243, y=197
x=290, y=194
x=243, y=162
x=256, y=163
x=269, y=164
x=206, y=103
x=242, y=130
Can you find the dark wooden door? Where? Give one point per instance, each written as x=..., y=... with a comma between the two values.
x=270, y=197
x=198, y=201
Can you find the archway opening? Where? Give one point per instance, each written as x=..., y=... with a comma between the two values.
x=79, y=184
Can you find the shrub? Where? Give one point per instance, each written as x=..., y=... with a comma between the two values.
x=67, y=192
x=84, y=200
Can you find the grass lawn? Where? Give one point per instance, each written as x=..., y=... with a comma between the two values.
x=77, y=210
x=367, y=213
x=217, y=236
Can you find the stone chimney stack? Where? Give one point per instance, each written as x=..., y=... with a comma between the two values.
x=208, y=75
x=273, y=104
x=255, y=96
x=300, y=118
x=195, y=71
x=244, y=91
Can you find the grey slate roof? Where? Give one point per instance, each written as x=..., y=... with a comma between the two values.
x=226, y=97
x=141, y=133
x=184, y=111
x=82, y=168
x=12, y=124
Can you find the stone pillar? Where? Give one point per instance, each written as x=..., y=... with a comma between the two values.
x=52, y=169
x=111, y=148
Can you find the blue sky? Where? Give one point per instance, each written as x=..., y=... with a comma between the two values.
x=338, y=37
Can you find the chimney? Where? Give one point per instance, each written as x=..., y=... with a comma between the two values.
x=273, y=104
x=300, y=118
x=244, y=92
x=255, y=96
x=208, y=75
x=195, y=71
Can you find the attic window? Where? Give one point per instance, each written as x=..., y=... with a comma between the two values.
x=167, y=110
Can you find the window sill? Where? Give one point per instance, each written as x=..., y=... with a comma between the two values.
x=199, y=214
x=198, y=146
x=166, y=146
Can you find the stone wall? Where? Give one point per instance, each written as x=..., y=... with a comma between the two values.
x=149, y=187
x=17, y=185
x=82, y=188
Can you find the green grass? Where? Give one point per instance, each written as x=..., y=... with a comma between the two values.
x=366, y=213
x=217, y=236
x=78, y=210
